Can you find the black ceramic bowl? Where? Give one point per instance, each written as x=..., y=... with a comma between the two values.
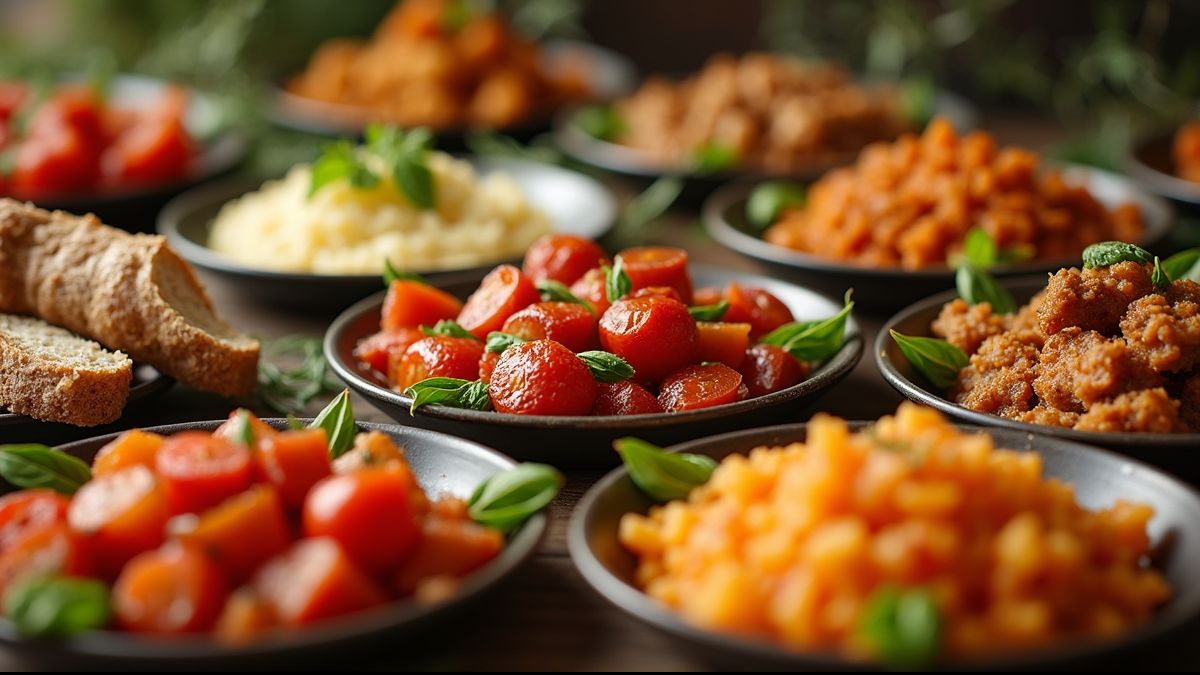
x=587, y=441
x=575, y=204
x=442, y=464
x=1099, y=478
x=888, y=288
x=146, y=381
x=1151, y=164
x=1175, y=452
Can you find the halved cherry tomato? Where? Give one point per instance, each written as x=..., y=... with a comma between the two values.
x=656, y=335
x=156, y=149
x=700, y=386
x=562, y=257
x=294, y=461
x=27, y=510
x=769, y=369
x=315, y=580
x=568, y=323
x=624, y=398
x=590, y=287
x=201, y=470
x=231, y=429
x=723, y=342
x=449, y=546
x=244, y=618
x=707, y=296
x=48, y=550
x=410, y=304
x=242, y=532
x=369, y=512
x=502, y=293
x=437, y=356
x=173, y=589
x=487, y=364
x=122, y=514
x=377, y=349
x=658, y=266
x=661, y=291
x=130, y=448
x=762, y=310
x=541, y=378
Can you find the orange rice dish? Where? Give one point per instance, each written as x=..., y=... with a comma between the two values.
x=788, y=543
x=1186, y=152
x=911, y=203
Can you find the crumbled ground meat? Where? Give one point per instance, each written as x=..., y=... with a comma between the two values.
x=1078, y=368
x=1149, y=410
x=1026, y=317
x=1166, y=327
x=1092, y=299
x=1000, y=377
x=967, y=326
x=1044, y=414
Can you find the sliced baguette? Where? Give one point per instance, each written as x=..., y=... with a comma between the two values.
x=128, y=292
x=54, y=375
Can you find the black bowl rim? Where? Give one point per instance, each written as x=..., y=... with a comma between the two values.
x=392, y=616
x=154, y=384
x=1158, y=181
x=735, y=194
x=918, y=393
x=637, y=604
x=824, y=376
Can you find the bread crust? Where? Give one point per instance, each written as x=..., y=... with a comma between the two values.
x=56, y=392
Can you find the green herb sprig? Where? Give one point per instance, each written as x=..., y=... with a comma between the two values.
x=1108, y=253
x=449, y=391
x=32, y=465
x=391, y=274
x=617, y=283
x=712, y=312
x=509, y=498
x=1158, y=276
x=1183, y=265
x=341, y=161
x=405, y=154
x=289, y=389
x=57, y=606
x=904, y=627
x=448, y=328
x=601, y=122
x=938, y=360
x=557, y=291
x=337, y=419
x=663, y=476
x=976, y=286
x=769, y=200
x=497, y=342
x=813, y=340
x=606, y=366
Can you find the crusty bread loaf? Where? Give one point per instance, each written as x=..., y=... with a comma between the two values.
x=128, y=292
x=52, y=374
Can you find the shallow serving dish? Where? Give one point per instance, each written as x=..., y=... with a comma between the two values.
x=575, y=204
x=1099, y=478
x=146, y=381
x=1151, y=164
x=587, y=441
x=443, y=465
x=725, y=219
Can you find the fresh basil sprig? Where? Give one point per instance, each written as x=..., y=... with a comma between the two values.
x=337, y=419
x=813, y=340
x=449, y=391
x=661, y=475
x=709, y=312
x=601, y=122
x=243, y=431
x=1183, y=265
x=977, y=286
x=37, y=466
x=57, y=606
x=980, y=250
x=617, y=283
x=406, y=154
x=938, y=360
x=1108, y=253
x=340, y=161
x=768, y=200
x=391, y=274
x=1158, y=276
x=712, y=157
x=557, y=291
x=606, y=366
x=509, y=498
x=448, y=328
x=903, y=627
x=497, y=342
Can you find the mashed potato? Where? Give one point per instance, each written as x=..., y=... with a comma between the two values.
x=347, y=230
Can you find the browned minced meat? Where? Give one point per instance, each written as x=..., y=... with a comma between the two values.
x=1167, y=327
x=967, y=326
x=1026, y=317
x=1044, y=414
x=1078, y=368
x=1000, y=377
x=1148, y=410
x=1092, y=299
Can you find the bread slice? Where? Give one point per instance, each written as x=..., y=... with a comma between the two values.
x=128, y=292
x=51, y=374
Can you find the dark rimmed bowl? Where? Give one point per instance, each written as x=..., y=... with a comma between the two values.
x=442, y=464
x=1099, y=478
x=1175, y=452
x=575, y=203
x=724, y=218
x=1151, y=164
x=587, y=441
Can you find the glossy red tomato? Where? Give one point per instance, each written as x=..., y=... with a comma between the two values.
x=707, y=296
x=656, y=335
x=624, y=398
x=563, y=258
x=231, y=430
x=757, y=307
x=369, y=513
x=438, y=356
x=769, y=369
x=201, y=470
x=502, y=293
x=411, y=304
x=376, y=350
x=294, y=461
x=541, y=378
x=55, y=162
x=701, y=386
x=487, y=363
x=75, y=108
x=723, y=342
x=27, y=510
x=590, y=287
x=155, y=150
x=661, y=291
x=48, y=550
x=315, y=580
x=171, y=590
x=658, y=266
x=571, y=324
x=122, y=514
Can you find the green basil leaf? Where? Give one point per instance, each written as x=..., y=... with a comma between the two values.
x=405, y=153
x=606, y=367
x=663, y=476
x=340, y=161
x=243, y=433
x=38, y=466
x=938, y=360
x=448, y=328
x=977, y=286
x=813, y=340
x=415, y=181
x=474, y=396
x=980, y=249
x=617, y=283
x=506, y=500
x=337, y=419
x=1158, y=276
x=449, y=391
x=497, y=342
x=1183, y=265
x=600, y=121
x=769, y=200
x=903, y=627
x=390, y=274
x=712, y=157
x=709, y=312
x=1108, y=253
x=57, y=606
x=557, y=291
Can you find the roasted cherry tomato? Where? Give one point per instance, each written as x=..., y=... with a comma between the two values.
x=656, y=335
x=294, y=461
x=242, y=533
x=624, y=398
x=658, y=266
x=376, y=350
x=315, y=580
x=201, y=470
x=487, y=363
x=723, y=342
x=369, y=512
x=769, y=368
x=437, y=356
x=707, y=296
x=763, y=311
x=410, y=304
x=51, y=549
x=122, y=514
x=701, y=386
x=502, y=293
x=590, y=287
x=129, y=449
x=245, y=618
x=562, y=257
x=27, y=510
x=541, y=378
x=660, y=291
x=174, y=589
x=449, y=546
x=571, y=324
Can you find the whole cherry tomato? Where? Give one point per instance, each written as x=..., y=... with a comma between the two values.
x=769, y=369
x=294, y=461
x=590, y=287
x=502, y=293
x=411, y=304
x=171, y=590
x=376, y=350
x=122, y=514
x=757, y=307
x=656, y=335
x=658, y=266
x=701, y=386
x=437, y=356
x=723, y=342
x=27, y=510
x=201, y=470
x=369, y=513
x=52, y=549
x=314, y=580
x=562, y=257
x=624, y=398
x=568, y=323
x=541, y=378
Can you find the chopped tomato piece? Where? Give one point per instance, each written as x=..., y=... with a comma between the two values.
x=437, y=356
x=155, y=149
x=562, y=257
x=132, y=448
x=243, y=532
x=487, y=364
x=656, y=335
x=376, y=350
x=541, y=378
x=658, y=266
x=411, y=304
x=502, y=293
x=769, y=369
x=762, y=310
x=27, y=510
x=201, y=470
x=701, y=386
x=173, y=589
x=53, y=162
x=122, y=514
x=52, y=549
x=723, y=342
x=369, y=513
x=660, y=291
x=244, y=618
x=707, y=296
x=315, y=580
x=448, y=547
x=590, y=287
x=230, y=430
x=568, y=323
x=624, y=398
x=294, y=461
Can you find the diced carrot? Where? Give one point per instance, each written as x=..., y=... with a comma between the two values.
x=448, y=547
x=243, y=532
x=315, y=580
x=134, y=447
x=293, y=462
x=245, y=618
x=723, y=342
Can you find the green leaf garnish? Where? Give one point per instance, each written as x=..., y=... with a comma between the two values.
x=391, y=274
x=979, y=248
x=337, y=419
x=449, y=391
x=938, y=360
x=977, y=286
x=57, y=606
x=917, y=96
x=506, y=500
x=1158, y=277
x=1183, y=265
x=663, y=476
x=904, y=627
x=406, y=154
x=813, y=340
x=600, y=122
x=606, y=366
x=291, y=389
x=448, y=328
x=617, y=283
x=497, y=342
x=32, y=465
x=769, y=200
x=709, y=312
x=243, y=431
x=340, y=161
x=557, y=291
x=712, y=157
x=1108, y=253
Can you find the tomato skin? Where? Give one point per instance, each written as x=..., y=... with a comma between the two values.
x=314, y=580
x=658, y=266
x=411, y=304
x=769, y=369
x=243, y=532
x=200, y=471
x=723, y=342
x=487, y=364
x=624, y=398
x=231, y=428
x=563, y=258
x=700, y=386
x=656, y=335
x=437, y=356
x=154, y=150
x=130, y=448
x=121, y=514
x=27, y=510
x=757, y=307
x=369, y=513
x=568, y=323
x=51, y=549
x=541, y=377
x=590, y=287
x=707, y=296
x=661, y=291
x=294, y=461
x=175, y=589
x=502, y=293
x=449, y=546
x=376, y=351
